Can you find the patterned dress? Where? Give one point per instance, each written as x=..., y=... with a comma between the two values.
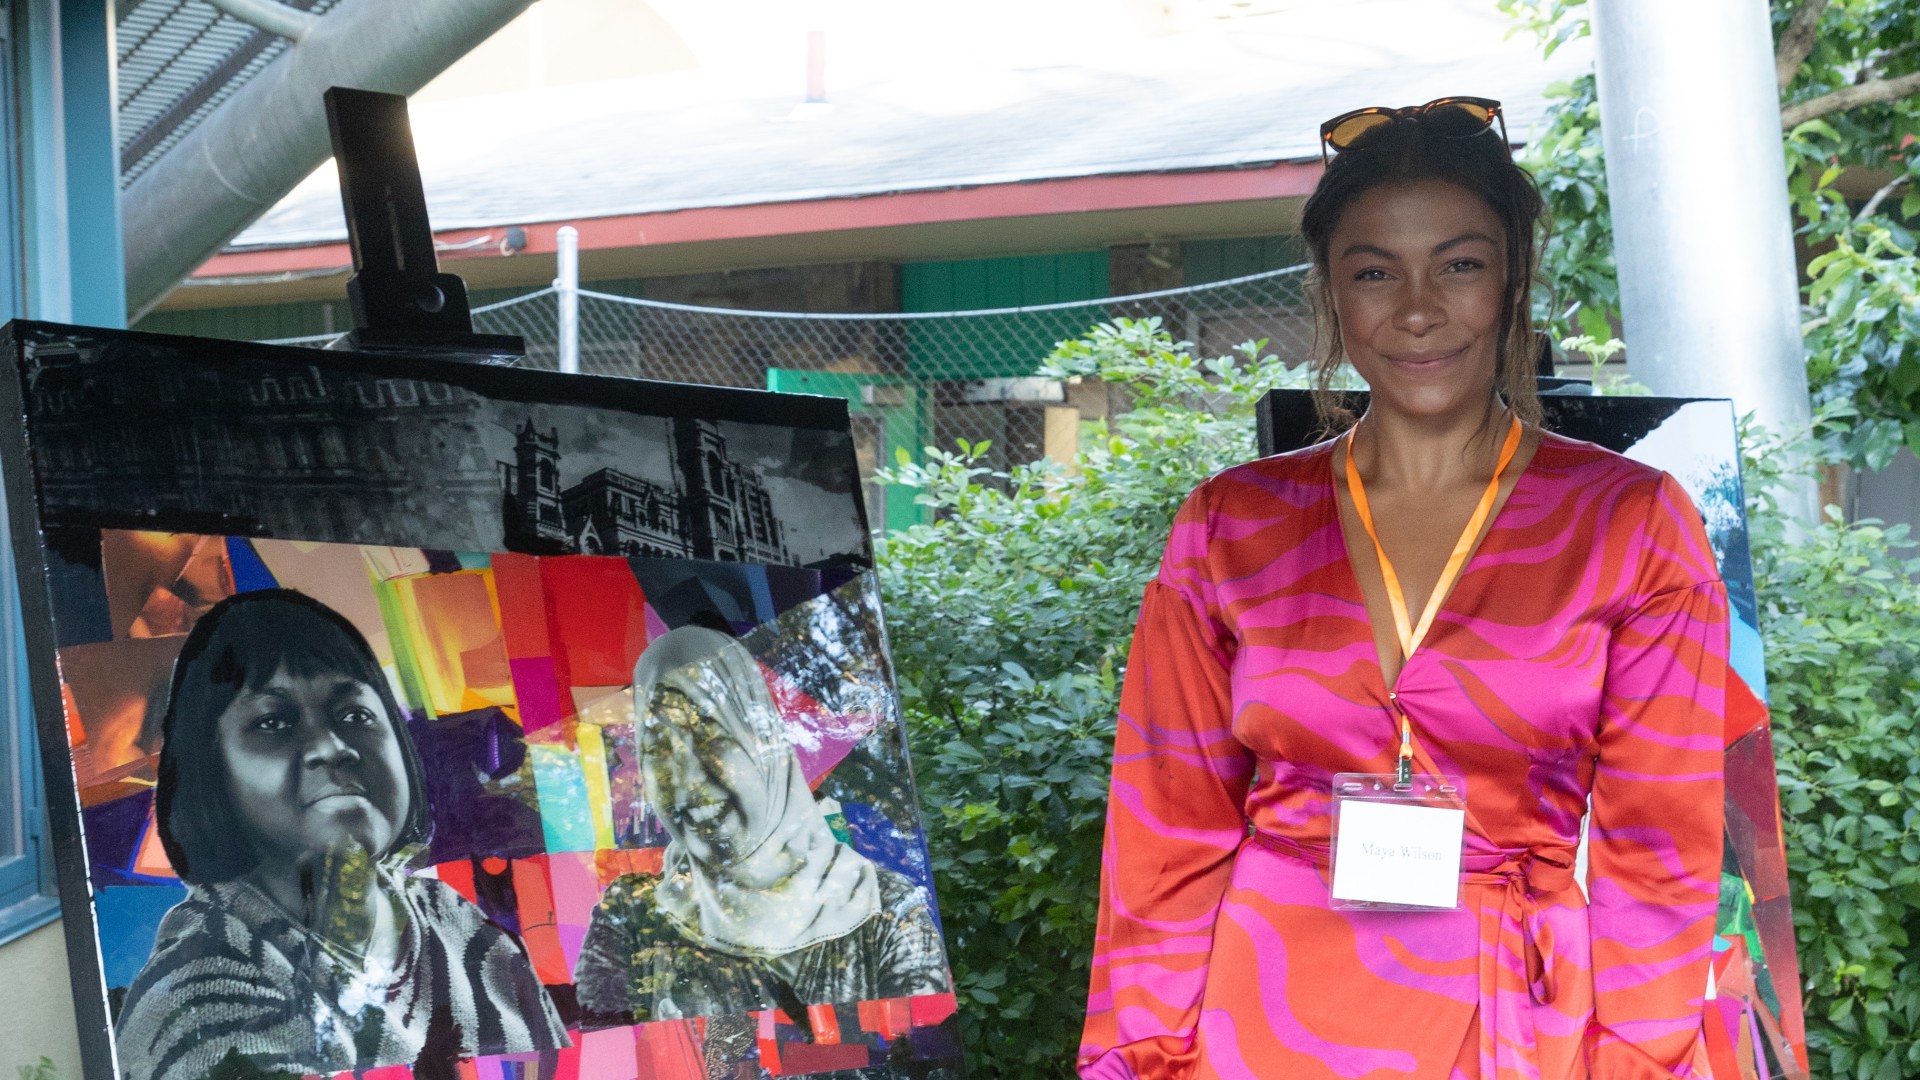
x=1582, y=653
x=231, y=973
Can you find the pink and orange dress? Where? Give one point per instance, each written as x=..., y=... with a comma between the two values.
x=1582, y=655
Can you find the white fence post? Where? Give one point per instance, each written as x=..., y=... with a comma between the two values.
x=567, y=288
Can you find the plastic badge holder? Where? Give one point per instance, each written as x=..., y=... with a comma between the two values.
x=1396, y=847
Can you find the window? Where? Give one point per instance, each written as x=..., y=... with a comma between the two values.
x=57, y=147
x=26, y=864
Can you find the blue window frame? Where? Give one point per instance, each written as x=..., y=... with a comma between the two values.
x=60, y=259
x=26, y=863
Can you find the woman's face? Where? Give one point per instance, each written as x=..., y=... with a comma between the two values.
x=313, y=764
x=1419, y=279
x=700, y=780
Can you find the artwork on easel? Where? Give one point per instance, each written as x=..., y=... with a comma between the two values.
x=1754, y=1024
x=410, y=717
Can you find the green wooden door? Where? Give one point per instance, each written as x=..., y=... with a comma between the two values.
x=998, y=346
x=889, y=422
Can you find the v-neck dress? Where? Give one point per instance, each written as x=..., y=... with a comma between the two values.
x=1582, y=654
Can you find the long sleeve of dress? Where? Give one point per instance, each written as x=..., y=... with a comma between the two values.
x=1174, y=822
x=1655, y=832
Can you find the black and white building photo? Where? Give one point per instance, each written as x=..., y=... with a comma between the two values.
x=715, y=508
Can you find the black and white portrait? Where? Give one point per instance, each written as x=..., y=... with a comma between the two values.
x=758, y=904
x=289, y=796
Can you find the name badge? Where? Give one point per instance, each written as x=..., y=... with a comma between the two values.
x=1397, y=847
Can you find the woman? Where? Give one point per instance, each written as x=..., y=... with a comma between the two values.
x=758, y=905
x=289, y=791
x=1576, y=647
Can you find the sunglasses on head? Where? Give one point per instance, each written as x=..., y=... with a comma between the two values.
x=1456, y=117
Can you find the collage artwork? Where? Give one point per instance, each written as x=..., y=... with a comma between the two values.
x=1754, y=1026
x=621, y=795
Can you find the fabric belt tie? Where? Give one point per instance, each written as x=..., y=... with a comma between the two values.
x=1522, y=873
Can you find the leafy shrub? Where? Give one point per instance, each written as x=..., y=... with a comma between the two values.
x=1840, y=616
x=1010, y=617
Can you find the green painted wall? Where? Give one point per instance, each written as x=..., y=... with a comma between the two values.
x=998, y=348
x=891, y=428
x=259, y=322
x=969, y=284
x=267, y=322
x=1203, y=261
x=955, y=350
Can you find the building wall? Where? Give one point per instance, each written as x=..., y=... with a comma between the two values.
x=940, y=285
x=39, y=1012
x=1203, y=261
x=1892, y=494
x=301, y=318
x=970, y=284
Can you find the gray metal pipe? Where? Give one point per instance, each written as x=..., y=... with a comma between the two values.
x=1690, y=116
x=271, y=16
x=267, y=137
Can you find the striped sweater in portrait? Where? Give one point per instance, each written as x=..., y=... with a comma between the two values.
x=232, y=971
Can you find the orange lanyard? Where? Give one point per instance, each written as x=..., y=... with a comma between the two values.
x=1412, y=635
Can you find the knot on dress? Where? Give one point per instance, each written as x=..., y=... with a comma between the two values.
x=1524, y=874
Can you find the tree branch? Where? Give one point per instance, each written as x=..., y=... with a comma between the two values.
x=1880, y=196
x=1798, y=40
x=1871, y=92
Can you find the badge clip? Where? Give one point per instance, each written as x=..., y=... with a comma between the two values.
x=1397, y=841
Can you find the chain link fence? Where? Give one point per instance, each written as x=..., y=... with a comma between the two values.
x=911, y=380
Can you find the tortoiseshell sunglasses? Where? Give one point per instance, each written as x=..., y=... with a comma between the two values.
x=1459, y=117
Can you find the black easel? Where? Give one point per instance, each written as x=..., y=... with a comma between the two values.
x=401, y=301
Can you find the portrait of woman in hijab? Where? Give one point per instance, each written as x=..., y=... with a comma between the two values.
x=290, y=795
x=757, y=905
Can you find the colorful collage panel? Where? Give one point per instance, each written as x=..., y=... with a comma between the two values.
x=727, y=877
x=1754, y=1024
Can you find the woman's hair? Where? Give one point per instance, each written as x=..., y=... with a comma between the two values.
x=1409, y=151
x=236, y=647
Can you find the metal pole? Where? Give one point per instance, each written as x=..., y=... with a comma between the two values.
x=271, y=16
x=272, y=132
x=1709, y=289
x=96, y=268
x=567, y=286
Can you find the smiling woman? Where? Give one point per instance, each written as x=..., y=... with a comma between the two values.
x=1443, y=629
x=289, y=792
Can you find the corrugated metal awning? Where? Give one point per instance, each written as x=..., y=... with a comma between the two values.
x=178, y=60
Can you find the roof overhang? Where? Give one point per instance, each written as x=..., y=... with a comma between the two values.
x=997, y=219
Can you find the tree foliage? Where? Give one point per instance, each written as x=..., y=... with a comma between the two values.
x=1849, y=75
x=1582, y=294
x=1010, y=617
x=1841, y=622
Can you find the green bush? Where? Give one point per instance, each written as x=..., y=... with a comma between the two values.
x=1840, y=616
x=1010, y=617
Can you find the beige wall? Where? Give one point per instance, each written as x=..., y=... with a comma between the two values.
x=38, y=1019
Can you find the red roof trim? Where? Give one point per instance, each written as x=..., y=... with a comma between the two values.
x=1023, y=199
